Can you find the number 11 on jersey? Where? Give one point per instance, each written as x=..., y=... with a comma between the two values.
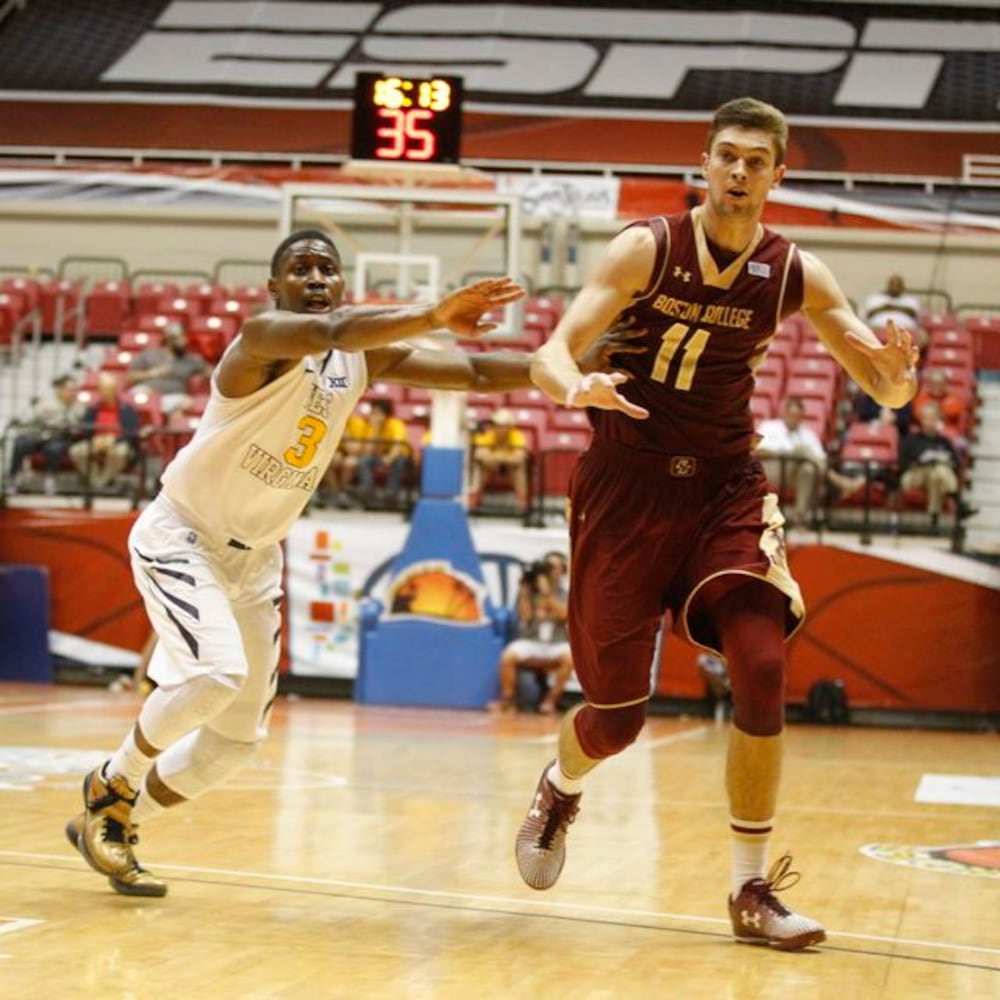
x=691, y=350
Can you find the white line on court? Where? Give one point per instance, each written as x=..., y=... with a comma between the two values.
x=662, y=741
x=67, y=706
x=584, y=910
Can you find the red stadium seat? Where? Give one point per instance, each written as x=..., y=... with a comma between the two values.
x=528, y=397
x=210, y=335
x=177, y=306
x=139, y=340
x=773, y=367
x=116, y=360
x=566, y=419
x=108, y=306
x=204, y=293
x=881, y=439
x=769, y=386
x=229, y=306
x=147, y=295
x=13, y=308
x=761, y=407
x=60, y=301
x=532, y=420
x=958, y=337
x=815, y=366
x=812, y=347
x=810, y=387
x=28, y=288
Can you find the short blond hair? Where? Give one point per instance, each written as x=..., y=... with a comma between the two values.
x=748, y=112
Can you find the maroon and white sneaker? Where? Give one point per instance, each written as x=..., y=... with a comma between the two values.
x=759, y=917
x=541, y=842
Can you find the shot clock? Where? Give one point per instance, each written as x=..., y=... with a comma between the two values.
x=407, y=120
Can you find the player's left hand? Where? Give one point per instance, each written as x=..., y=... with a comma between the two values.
x=895, y=360
x=600, y=390
x=461, y=311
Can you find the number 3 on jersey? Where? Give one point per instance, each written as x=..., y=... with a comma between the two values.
x=301, y=454
x=691, y=350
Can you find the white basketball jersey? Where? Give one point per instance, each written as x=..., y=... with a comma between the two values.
x=255, y=461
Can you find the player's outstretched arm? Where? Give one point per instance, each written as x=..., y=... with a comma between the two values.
x=500, y=371
x=279, y=335
x=885, y=371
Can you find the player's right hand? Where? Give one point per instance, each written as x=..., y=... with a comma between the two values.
x=600, y=390
x=461, y=311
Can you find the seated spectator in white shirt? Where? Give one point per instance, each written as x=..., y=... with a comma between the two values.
x=793, y=455
x=894, y=303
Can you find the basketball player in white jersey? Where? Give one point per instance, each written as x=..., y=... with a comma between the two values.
x=206, y=552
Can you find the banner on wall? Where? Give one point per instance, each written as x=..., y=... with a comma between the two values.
x=564, y=197
x=331, y=565
x=927, y=62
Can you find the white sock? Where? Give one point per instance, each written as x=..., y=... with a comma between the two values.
x=566, y=785
x=129, y=762
x=749, y=840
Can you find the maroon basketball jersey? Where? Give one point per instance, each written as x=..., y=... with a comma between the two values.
x=708, y=326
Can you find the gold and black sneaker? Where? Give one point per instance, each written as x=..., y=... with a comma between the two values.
x=137, y=881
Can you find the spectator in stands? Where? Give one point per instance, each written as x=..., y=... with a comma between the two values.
x=166, y=370
x=951, y=409
x=793, y=455
x=928, y=461
x=385, y=448
x=541, y=644
x=894, y=303
x=111, y=435
x=343, y=467
x=501, y=449
x=48, y=431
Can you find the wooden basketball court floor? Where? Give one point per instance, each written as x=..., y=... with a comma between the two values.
x=368, y=853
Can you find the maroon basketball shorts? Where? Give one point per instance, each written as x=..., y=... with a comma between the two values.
x=648, y=532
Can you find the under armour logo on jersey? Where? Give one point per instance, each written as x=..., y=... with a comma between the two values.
x=679, y=272
x=750, y=919
x=759, y=269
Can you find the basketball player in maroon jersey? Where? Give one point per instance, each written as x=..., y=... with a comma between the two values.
x=668, y=506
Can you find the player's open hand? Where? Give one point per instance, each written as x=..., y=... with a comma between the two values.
x=622, y=338
x=600, y=390
x=462, y=311
x=896, y=359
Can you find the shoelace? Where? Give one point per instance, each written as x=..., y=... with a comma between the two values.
x=114, y=831
x=562, y=813
x=778, y=879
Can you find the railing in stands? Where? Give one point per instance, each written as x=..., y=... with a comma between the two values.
x=167, y=274
x=91, y=268
x=231, y=271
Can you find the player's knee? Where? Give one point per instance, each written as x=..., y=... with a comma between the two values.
x=759, y=696
x=217, y=690
x=218, y=756
x=604, y=732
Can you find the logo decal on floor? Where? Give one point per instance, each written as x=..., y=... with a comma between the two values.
x=981, y=858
